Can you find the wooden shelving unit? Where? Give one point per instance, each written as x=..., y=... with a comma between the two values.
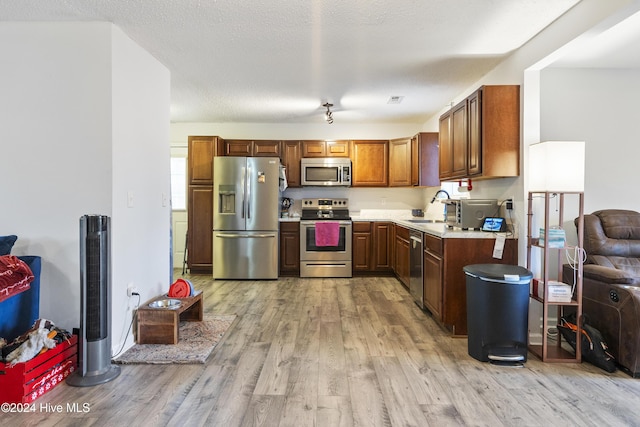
x=555, y=349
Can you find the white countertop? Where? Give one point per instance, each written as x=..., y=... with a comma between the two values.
x=290, y=219
x=404, y=217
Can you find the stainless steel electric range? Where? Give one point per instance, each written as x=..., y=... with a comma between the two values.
x=321, y=260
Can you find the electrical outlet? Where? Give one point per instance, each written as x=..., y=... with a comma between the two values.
x=132, y=290
x=509, y=204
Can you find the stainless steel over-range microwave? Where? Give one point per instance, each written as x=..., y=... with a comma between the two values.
x=326, y=171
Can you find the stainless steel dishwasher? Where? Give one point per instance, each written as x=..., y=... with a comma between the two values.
x=416, y=257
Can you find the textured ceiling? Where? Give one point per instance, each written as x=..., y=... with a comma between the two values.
x=278, y=61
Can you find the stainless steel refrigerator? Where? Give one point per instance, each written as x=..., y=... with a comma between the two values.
x=245, y=217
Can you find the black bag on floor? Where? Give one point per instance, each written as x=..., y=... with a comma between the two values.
x=594, y=349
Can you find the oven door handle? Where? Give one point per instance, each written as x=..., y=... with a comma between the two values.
x=313, y=222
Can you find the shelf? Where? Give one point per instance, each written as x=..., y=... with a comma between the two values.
x=552, y=350
x=541, y=300
x=554, y=354
x=535, y=244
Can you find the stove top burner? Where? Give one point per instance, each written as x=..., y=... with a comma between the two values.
x=325, y=209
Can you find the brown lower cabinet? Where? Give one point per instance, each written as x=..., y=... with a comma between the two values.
x=361, y=246
x=401, y=255
x=432, y=275
x=372, y=247
x=200, y=232
x=289, y=248
x=382, y=246
x=445, y=289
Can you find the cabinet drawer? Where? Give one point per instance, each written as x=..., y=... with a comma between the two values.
x=361, y=226
x=290, y=226
x=402, y=232
x=432, y=243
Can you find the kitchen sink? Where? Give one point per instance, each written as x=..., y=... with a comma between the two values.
x=426, y=221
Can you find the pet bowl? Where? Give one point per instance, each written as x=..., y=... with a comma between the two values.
x=165, y=303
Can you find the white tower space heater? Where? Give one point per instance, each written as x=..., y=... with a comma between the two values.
x=94, y=351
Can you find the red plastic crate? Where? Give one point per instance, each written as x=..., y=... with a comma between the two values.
x=25, y=382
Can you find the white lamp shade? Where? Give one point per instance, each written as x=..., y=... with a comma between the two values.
x=556, y=166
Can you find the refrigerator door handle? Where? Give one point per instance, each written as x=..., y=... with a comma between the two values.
x=249, y=172
x=242, y=185
x=246, y=236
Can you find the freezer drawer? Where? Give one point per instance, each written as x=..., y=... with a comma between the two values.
x=245, y=254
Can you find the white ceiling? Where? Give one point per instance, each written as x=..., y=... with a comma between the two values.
x=612, y=47
x=278, y=61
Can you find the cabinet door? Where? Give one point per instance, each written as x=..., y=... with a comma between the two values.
x=382, y=246
x=415, y=161
x=500, y=129
x=289, y=248
x=238, y=147
x=459, y=140
x=370, y=163
x=361, y=246
x=402, y=248
x=200, y=232
x=314, y=149
x=427, y=149
x=337, y=148
x=290, y=155
x=402, y=260
x=446, y=149
x=474, y=146
x=400, y=164
x=200, y=159
x=432, y=282
x=263, y=148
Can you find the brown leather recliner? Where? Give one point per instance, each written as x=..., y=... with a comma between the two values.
x=611, y=282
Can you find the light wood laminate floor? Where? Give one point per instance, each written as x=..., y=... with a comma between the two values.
x=341, y=352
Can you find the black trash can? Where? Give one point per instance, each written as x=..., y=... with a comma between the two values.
x=497, y=312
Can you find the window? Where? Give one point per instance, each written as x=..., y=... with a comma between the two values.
x=179, y=183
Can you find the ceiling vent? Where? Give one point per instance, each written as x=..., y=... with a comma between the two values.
x=395, y=100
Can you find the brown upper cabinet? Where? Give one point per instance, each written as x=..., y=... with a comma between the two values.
x=290, y=154
x=414, y=161
x=480, y=136
x=400, y=162
x=325, y=148
x=424, y=165
x=370, y=163
x=248, y=148
x=202, y=149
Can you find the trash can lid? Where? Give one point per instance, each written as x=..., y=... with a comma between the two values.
x=499, y=272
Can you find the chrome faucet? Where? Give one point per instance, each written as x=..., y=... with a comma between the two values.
x=438, y=192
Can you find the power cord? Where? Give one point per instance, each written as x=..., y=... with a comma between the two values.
x=579, y=256
x=130, y=326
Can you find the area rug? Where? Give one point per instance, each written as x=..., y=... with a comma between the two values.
x=197, y=341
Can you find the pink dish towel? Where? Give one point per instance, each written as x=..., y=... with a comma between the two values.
x=327, y=233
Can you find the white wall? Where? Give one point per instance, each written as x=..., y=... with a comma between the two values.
x=600, y=107
x=56, y=148
x=181, y=131
x=141, y=166
x=82, y=109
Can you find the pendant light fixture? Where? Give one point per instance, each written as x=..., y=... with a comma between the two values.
x=328, y=116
